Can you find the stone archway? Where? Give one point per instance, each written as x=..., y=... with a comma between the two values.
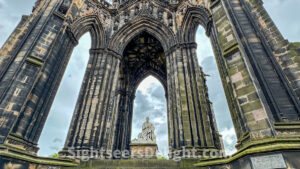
x=142, y=56
x=107, y=115
x=258, y=72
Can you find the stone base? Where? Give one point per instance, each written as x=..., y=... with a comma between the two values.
x=272, y=160
x=16, y=158
x=7, y=163
x=146, y=151
x=18, y=141
x=136, y=164
x=261, y=154
x=282, y=160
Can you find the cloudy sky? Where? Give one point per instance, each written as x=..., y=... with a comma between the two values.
x=150, y=100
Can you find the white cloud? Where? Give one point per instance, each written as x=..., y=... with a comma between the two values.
x=204, y=48
x=147, y=83
x=229, y=140
x=2, y=3
x=159, y=120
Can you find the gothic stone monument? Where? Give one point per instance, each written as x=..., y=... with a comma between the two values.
x=132, y=39
x=145, y=145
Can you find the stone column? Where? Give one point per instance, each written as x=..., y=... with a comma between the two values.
x=124, y=124
x=93, y=113
x=285, y=53
x=190, y=115
x=25, y=63
x=32, y=118
x=257, y=90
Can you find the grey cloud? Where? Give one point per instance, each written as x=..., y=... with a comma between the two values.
x=56, y=148
x=57, y=140
x=158, y=93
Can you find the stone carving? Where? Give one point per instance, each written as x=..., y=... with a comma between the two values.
x=147, y=135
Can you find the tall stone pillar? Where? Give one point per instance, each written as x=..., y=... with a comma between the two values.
x=92, y=119
x=30, y=123
x=30, y=77
x=285, y=53
x=190, y=114
x=257, y=90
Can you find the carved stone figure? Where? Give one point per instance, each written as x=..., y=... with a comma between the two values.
x=147, y=135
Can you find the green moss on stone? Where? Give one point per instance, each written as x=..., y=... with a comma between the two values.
x=245, y=90
x=252, y=106
x=252, y=96
x=249, y=116
x=259, y=125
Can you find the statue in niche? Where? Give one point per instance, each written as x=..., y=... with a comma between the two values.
x=147, y=135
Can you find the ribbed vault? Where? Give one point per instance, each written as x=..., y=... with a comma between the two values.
x=144, y=55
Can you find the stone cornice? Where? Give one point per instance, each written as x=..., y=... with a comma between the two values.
x=106, y=50
x=59, y=15
x=129, y=3
x=124, y=93
x=19, y=154
x=186, y=45
x=39, y=62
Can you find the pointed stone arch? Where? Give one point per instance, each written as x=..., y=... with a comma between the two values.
x=138, y=25
x=194, y=17
x=146, y=74
x=92, y=24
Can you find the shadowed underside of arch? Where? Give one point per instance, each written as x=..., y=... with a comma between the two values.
x=142, y=56
x=142, y=24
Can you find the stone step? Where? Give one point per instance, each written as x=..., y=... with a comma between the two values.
x=136, y=164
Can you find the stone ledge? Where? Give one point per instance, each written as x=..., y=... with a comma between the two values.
x=214, y=4
x=39, y=62
x=137, y=164
x=287, y=125
x=21, y=155
x=255, y=147
x=230, y=48
x=143, y=144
